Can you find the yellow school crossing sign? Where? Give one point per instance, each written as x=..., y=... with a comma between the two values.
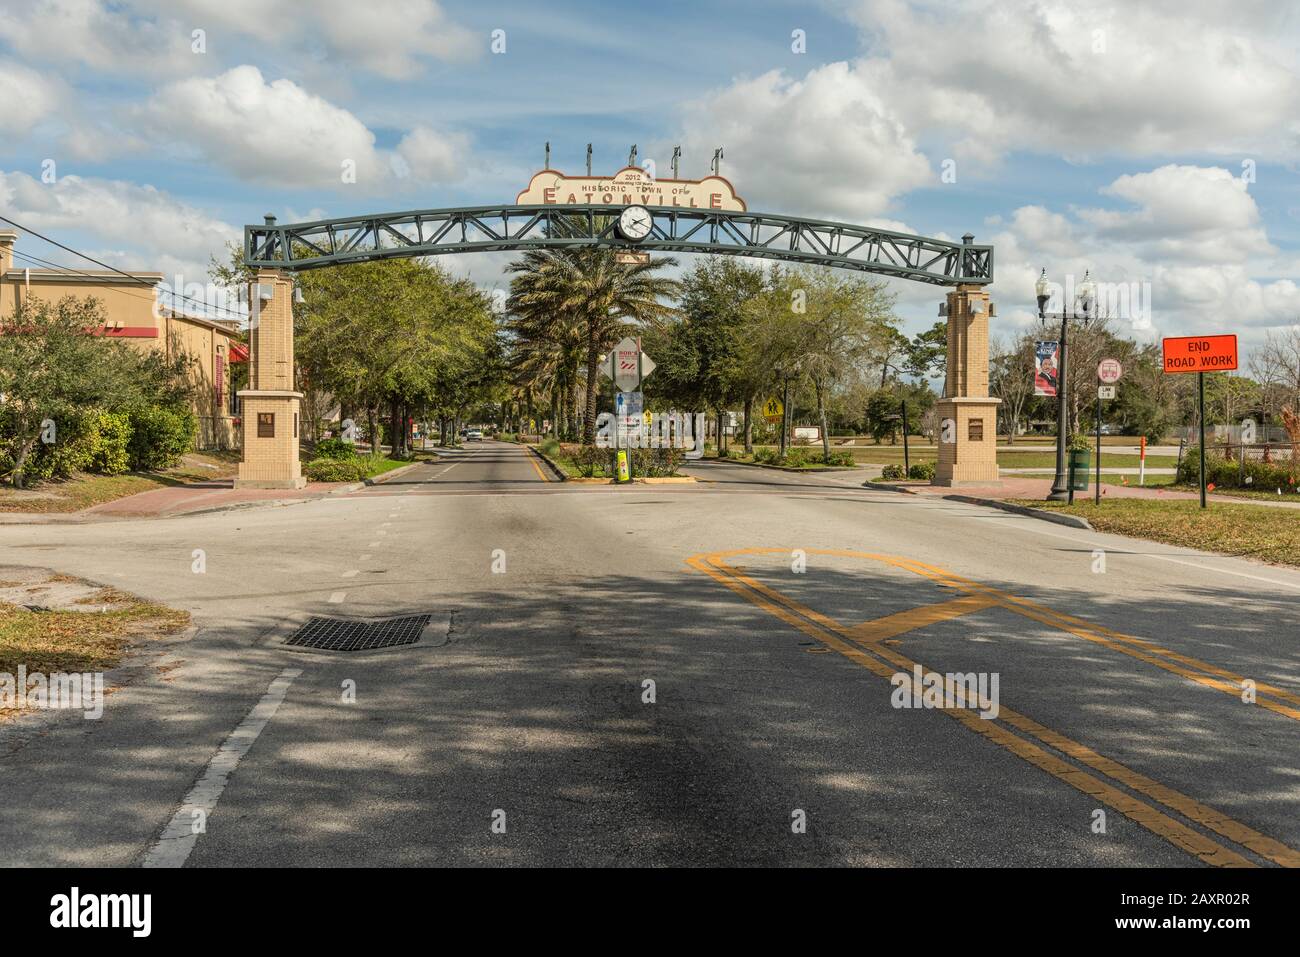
x=772, y=410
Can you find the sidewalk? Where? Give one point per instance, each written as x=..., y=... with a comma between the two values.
x=1022, y=487
x=178, y=500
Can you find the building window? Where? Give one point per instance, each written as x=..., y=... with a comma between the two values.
x=266, y=425
x=975, y=430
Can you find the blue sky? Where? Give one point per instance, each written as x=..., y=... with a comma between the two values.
x=1085, y=135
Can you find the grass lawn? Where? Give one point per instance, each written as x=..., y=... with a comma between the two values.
x=78, y=641
x=376, y=465
x=83, y=490
x=1112, y=460
x=1252, y=531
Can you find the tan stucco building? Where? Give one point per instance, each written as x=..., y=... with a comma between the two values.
x=131, y=314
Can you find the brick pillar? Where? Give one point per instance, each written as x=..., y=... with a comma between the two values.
x=270, y=403
x=968, y=434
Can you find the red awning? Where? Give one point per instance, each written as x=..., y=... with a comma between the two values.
x=238, y=352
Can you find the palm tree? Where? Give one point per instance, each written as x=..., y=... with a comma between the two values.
x=555, y=290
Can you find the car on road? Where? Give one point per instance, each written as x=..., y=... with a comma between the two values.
x=474, y=435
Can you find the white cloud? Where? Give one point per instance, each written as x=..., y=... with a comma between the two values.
x=828, y=144
x=27, y=96
x=1194, y=236
x=1186, y=213
x=1089, y=77
x=93, y=33
x=392, y=38
x=134, y=227
x=278, y=133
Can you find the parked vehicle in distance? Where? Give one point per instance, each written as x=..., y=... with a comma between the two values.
x=474, y=435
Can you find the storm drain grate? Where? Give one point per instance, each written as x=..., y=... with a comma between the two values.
x=344, y=634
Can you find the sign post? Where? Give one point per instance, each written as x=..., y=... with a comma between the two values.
x=1201, y=354
x=907, y=465
x=628, y=366
x=1108, y=373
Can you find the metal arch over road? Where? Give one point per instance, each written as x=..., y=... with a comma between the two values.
x=434, y=232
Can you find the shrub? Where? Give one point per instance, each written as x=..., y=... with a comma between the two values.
x=922, y=470
x=844, y=458
x=795, y=458
x=550, y=446
x=1229, y=473
x=335, y=470
x=335, y=449
x=893, y=472
x=160, y=436
x=108, y=443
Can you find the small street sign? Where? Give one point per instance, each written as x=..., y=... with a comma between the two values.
x=1109, y=371
x=1105, y=392
x=773, y=410
x=631, y=257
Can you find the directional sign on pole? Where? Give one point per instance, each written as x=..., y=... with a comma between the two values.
x=621, y=365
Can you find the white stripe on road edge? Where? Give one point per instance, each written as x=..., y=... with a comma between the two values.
x=336, y=597
x=351, y=573
x=178, y=838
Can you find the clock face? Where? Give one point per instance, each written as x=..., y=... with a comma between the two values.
x=634, y=223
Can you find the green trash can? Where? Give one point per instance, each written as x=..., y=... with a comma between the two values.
x=1080, y=466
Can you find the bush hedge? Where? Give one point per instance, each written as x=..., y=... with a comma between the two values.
x=335, y=449
x=335, y=470
x=922, y=470
x=160, y=436
x=893, y=471
x=1230, y=473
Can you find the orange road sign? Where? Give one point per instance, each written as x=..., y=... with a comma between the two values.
x=1201, y=354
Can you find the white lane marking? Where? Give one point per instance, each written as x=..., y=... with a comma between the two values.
x=1203, y=566
x=350, y=573
x=336, y=598
x=173, y=848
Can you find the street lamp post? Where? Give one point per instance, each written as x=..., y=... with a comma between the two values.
x=1084, y=303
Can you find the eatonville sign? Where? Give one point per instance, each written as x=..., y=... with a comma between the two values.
x=630, y=185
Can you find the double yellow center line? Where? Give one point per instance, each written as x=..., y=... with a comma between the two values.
x=864, y=645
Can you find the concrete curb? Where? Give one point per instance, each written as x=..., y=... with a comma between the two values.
x=888, y=487
x=560, y=474
x=1073, y=521
x=391, y=474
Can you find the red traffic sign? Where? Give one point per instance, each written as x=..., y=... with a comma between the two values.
x=1201, y=354
x=1109, y=371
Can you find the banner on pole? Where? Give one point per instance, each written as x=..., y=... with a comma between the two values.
x=1047, y=368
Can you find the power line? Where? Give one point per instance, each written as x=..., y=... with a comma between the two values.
x=145, y=282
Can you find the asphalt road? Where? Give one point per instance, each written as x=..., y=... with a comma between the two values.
x=769, y=610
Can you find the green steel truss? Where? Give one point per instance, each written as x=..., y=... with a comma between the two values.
x=435, y=232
